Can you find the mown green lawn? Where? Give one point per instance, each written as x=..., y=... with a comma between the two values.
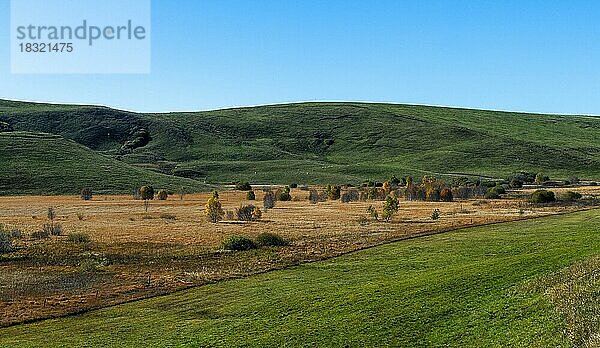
x=461, y=288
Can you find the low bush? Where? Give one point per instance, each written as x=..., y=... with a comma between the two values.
x=543, y=196
x=270, y=240
x=243, y=186
x=239, y=243
x=162, y=195
x=293, y=185
x=90, y=265
x=79, y=238
x=446, y=195
x=248, y=213
x=167, y=216
x=350, y=196
x=53, y=229
x=284, y=194
x=16, y=233
x=571, y=196
x=333, y=192
x=435, y=215
x=5, y=242
x=251, y=196
x=86, y=194
x=40, y=234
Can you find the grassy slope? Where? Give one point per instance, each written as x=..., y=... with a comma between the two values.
x=34, y=163
x=326, y=142
x=461, y=289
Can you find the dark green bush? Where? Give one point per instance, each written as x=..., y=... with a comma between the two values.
x=239, y=243
x=250, y=196
x=270, y=239
x=86, y=194
x=79, y=238
x=243, y=186
x=293, y=185
x=5, y=242
x=571, y=196
x=543, y=196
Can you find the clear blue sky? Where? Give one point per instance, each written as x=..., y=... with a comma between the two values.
x=539, y=56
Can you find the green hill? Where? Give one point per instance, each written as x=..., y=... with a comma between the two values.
x=326, y=142
x=35, y=163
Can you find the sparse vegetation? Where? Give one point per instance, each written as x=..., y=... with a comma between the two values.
x=239, y=243
x=270, y=240
x=79, y=238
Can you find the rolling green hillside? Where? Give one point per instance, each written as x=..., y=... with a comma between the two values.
x=36, y=163
x=327, y=142
x=466, y=288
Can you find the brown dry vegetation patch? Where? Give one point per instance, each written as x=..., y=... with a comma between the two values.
x=135, y=254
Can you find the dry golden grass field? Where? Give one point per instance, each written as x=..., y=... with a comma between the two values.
x=134, y=254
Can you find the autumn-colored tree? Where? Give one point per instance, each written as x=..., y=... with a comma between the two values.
x=387, y=187
x=446, y=195
x=213, y=209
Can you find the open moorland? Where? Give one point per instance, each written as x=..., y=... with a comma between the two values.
x=528, y=284
x=111, y=250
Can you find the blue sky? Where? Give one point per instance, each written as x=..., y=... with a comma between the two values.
x=538, y=56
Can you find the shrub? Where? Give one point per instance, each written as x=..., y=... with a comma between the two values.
x=86, y=193
x=167, y=216
x=516, y=183
x=270, y=240
x=495, y=192
x=52, y=229
x=333, y=192
x=293, y=185
x=435, y=214
x=269, y=200
x=230, y=215
x=147, y=193
x=372, y=193
x=90, y=265
x=387, y=187
x=162, y=195
x=571, y=196
x=79, y=238
x=390, y=207
x=243, y=186
x=239, y=243
x=373, y=213
x=246, y=213
x=256, y=214
x=543, y=196
x=16, y=233
x=5, y=242
x=315, y=197
x=213, y=209
x=446, y=195
x=350, y=196
x=51, y=214
x=432, y=194
x=284, y=195
x=540, y=178
x=250, y=195
x=40, y=234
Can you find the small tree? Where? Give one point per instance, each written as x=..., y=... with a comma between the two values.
x=284, y=195
x=213, y=209
x=269, y=200
x=333, y=192
x=390, y=207
x=147, y=194
x=387, y=187
x=86, y=193
x=435, y=215
x=446, y=195
x=373, y=213
x=162, y=195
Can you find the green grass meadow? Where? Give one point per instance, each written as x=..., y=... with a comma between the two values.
x=462, y=288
